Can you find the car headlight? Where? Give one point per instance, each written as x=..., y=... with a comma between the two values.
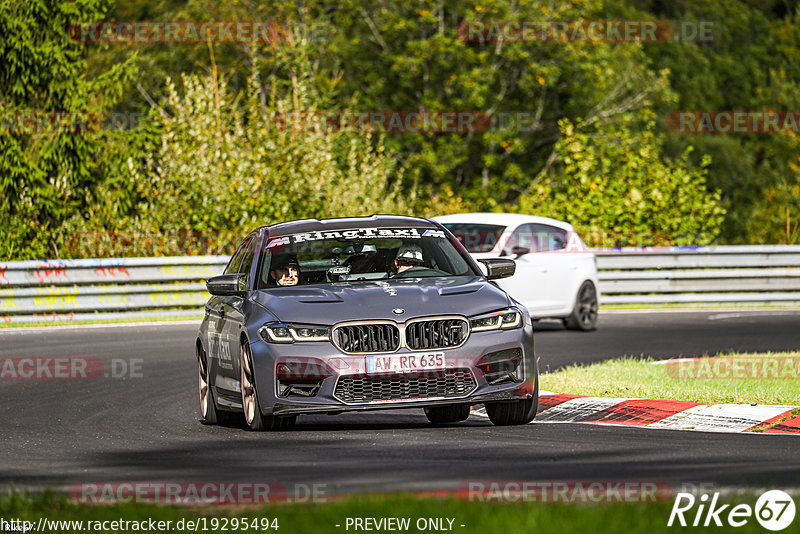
x=289, y=333
x=499, y=320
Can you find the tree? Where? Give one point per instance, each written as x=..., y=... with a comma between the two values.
x=753, y=50
x=777, y=217
x=611, y=183
x=225, y=165
x=54, y=152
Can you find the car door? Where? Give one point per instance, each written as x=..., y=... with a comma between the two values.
x=557, y=266
x=218, y=308
x=234, y=312
x=529, y=285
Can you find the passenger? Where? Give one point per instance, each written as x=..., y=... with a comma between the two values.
x=408, y=257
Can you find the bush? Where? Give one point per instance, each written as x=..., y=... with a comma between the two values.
x=225, y=165
x=613, y=186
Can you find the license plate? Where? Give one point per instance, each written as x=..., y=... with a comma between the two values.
x=404, y=363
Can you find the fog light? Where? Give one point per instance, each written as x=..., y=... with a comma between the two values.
x=300, y=378
x=302, y=370
x=502, y=367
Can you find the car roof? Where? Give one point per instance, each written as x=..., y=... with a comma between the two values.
x=511, y=220
x=347, y=223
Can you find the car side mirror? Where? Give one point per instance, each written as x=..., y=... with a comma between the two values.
x=499, y=268
x=227, y=285
x=520, y=251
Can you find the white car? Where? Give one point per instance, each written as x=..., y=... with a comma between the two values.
x=556, y=273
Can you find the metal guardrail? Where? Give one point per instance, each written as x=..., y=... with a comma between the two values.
x=754, y=274
x=70, y=290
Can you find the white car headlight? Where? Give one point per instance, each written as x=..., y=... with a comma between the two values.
x=289, y=333
x=500, y=320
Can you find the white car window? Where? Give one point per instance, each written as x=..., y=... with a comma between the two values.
x=476, y=237
x=535, y=238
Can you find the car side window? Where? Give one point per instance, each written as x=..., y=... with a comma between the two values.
x=236, y=260
x=550, y=238
x=519, y=239
x=535, y=238
x=247, y=260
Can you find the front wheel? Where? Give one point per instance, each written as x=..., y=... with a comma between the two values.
x=253, y=417
x=512, y=413
x=584, y=315
x=442, y=415
x=519, y=412
x=208, y=408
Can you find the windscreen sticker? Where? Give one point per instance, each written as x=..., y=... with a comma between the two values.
x=433, y=233
x=360, y=233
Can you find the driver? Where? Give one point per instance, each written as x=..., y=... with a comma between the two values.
x=408, y=257
x=286, y=271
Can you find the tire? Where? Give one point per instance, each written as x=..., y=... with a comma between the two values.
x=253, y=418
x=519, y=412
x=442, y=415
x=584, y=315
x=208, y=407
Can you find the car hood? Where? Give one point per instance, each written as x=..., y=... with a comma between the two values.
x=348, y=301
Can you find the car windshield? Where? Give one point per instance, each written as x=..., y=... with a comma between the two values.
x=476, y=237
x=359, y=254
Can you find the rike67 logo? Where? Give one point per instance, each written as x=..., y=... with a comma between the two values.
x=774, y=510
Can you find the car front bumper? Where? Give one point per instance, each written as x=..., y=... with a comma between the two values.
x=468, y=356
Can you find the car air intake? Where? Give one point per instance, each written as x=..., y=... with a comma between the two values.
x=427, y=385
x=436, y=333
x=502, y=367
x=364, y=338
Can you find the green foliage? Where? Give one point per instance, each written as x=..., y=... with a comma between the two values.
x=210, y=161
x=408, y=56
x=752, y=62
x=777, y=218
x=612, y=185
x=47, y=176
x=405, y=56
x=230, y=165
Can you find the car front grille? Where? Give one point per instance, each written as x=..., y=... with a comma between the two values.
x=364, y=338
x=436, y=333
x=429, y=384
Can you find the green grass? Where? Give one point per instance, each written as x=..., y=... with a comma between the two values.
x=643, y=379
x=320, y=518
x=139, y=319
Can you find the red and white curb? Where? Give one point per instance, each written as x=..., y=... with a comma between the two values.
x=665, y=414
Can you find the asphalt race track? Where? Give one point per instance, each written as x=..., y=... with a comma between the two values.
x=145, y=427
